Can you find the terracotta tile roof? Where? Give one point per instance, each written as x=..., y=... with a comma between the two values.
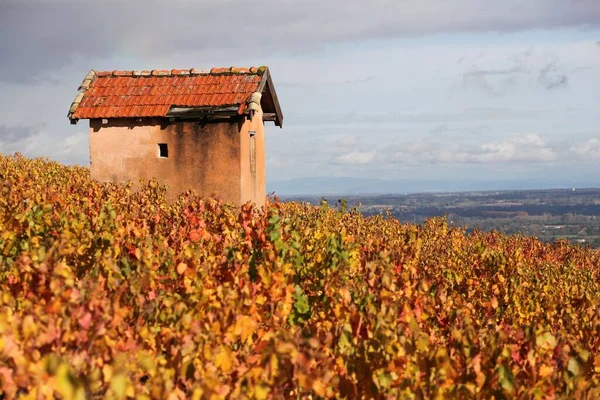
x=127, y=94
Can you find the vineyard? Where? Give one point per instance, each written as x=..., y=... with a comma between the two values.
x=110, y=292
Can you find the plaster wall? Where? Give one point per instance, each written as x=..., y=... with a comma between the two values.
x=205, y=157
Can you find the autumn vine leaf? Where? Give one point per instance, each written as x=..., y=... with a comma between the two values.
x=109, y=291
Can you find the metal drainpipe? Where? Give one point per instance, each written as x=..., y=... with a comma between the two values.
x=253, y=107
x=253, y=163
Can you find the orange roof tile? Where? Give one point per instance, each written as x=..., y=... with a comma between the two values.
x=132, y=94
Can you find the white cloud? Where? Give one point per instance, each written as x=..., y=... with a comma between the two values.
x=72, y=149
x=588, y=150
x=528, y=148
x=355, y=158
x=350, y=150
x=530, y=139
x=347, y=142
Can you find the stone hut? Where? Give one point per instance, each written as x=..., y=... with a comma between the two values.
x=199, y=129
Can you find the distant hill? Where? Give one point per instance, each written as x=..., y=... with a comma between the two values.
x=325, y=186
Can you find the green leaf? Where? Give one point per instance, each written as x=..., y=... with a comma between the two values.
x=546, y=341
x=506, y=379
x=574, y=366
x=301, y=303
x=384, y=379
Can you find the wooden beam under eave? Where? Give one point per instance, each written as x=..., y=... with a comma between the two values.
x=202, y=111
x=269, y=117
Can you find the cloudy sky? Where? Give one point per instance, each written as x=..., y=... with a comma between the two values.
x=390, y=89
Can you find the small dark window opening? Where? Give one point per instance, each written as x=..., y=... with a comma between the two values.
x=163, y=150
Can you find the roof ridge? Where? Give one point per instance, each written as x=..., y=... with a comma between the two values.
x=184, y=72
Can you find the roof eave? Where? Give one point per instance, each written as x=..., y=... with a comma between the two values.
x=85, y=85
x=266, y=83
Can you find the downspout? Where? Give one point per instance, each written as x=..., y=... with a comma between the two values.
x=253, y=107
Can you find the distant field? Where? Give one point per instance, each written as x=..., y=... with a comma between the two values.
x=530, y=212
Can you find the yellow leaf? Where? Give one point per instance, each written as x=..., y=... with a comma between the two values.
x=494, y=302
x=107, y=372
x=246, y=327
x=546, y=371
x=339, y=362
x=319, y=387
x=480, y=379
x=223, y=360
x=274, y=364
x=181, y=268
x=146, y=362
x=261, y=392
x=118, y=385
x=81, y=249
x=346, y=295
x=197, y=394
x=29, y=326
x=66, y=384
